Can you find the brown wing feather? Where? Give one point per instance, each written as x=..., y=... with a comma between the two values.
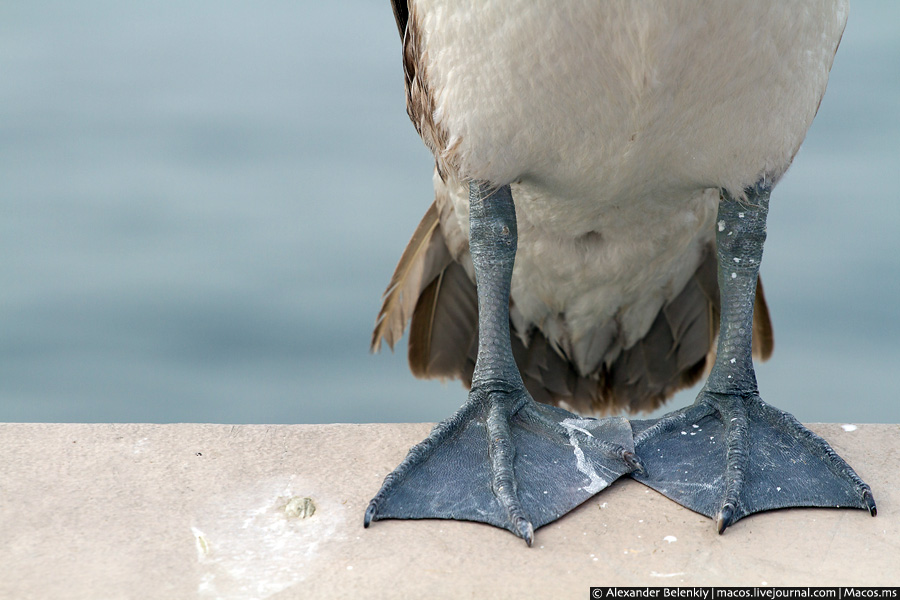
x=443, y=334
x=424, y=258
x=420, y=104
x=763, y=336
x=401, y=15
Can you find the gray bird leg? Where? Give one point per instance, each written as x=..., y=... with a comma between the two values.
x=730, y=454
x=503, y=458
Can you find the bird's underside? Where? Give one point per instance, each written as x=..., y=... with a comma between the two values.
x=636, y=257
x=433, y=292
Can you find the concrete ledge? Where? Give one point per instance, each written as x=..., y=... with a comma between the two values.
x=182, y=511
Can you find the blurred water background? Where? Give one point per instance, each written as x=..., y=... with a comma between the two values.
x=202, y=202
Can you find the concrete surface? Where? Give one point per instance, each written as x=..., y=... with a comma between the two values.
x=217, y=511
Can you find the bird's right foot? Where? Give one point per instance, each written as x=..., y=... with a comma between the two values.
x=728, y=456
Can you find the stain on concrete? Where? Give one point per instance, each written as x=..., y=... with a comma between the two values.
x=300, y=508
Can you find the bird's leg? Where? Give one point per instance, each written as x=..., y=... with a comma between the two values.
x=730, y=454
x=502, y=458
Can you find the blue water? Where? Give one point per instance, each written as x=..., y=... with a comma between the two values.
x=201, y=204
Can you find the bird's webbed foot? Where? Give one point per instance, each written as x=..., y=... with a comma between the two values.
x=729, y=455
x=502, y=458
x=506, y=460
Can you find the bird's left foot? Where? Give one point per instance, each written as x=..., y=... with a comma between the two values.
x=503, y=458
x=517, y=468
x=728, y=456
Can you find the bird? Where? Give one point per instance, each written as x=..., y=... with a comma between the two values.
x=602, y=176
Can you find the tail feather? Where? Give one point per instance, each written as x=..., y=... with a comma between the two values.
x=674, y=352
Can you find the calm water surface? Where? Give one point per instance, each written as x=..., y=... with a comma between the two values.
x=201, y=205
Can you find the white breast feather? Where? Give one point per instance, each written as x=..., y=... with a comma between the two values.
x=622, y=118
